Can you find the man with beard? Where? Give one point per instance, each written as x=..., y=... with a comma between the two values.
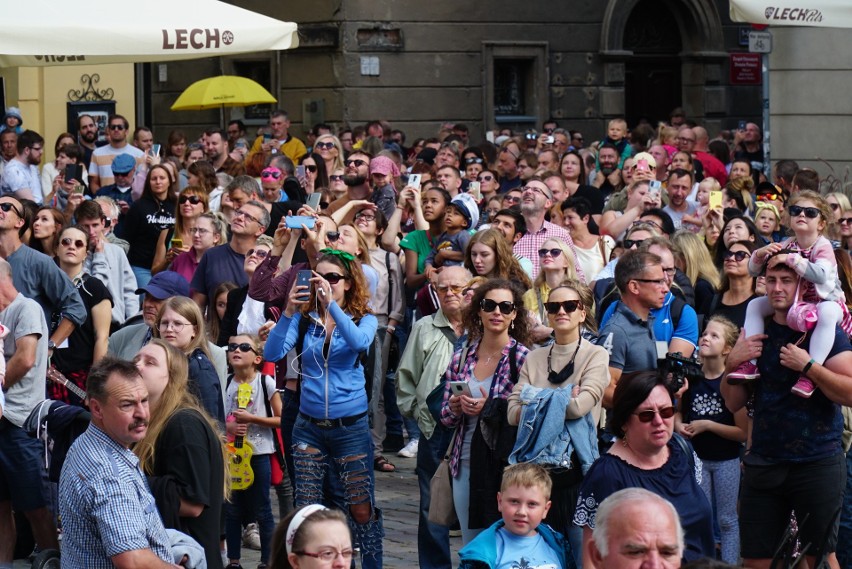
x=8, y=148
x=608, y=178
x=87, y=137
x=100, y=169
x=356, y=176
x=216, y=149
x=20, y=176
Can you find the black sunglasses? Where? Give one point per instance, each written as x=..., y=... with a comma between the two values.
x=259, y=253
x=810, y=212
x=357, y=163
x=244, y=347
x=271, y=173
x=332, y=235
x=473, y=160
x=194, y=200
x=336, y=177
x=737, y=255
x=648, y=416
x=6, y=206
x=568, y=306
x=334, y=278
x=845, y=220
x=488, y=305
x=116, y=127
x=553, y=252
x=513, y=199
x=630, y=243
x=310, y=168
x=78, y=243
x=324, y=145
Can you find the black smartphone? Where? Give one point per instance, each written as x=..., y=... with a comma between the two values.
x=74, y=172
x=742, y=125
x=303, y=278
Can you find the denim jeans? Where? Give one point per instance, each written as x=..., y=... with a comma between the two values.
x=433, y=541
x=249, y=505
x=844, y=534
x=143, y=276
x=346, y=453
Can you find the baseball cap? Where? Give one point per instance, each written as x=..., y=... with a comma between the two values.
x=164, y=285
x=466, y=205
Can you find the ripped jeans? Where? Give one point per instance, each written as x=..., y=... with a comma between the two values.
x=348, y=453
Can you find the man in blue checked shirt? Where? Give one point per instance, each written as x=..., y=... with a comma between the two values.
x=109, y=517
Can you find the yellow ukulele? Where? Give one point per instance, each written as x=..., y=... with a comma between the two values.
x=239, y=466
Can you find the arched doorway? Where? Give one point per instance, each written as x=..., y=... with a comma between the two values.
x=652, y=76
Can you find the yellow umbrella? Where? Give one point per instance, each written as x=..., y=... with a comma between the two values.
x=222, y=91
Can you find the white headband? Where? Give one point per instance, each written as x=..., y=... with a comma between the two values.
x=296, y=522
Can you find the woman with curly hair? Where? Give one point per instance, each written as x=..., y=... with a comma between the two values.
x=330, y=320
x=488, y=364
x=489, y=255
x=181, y=454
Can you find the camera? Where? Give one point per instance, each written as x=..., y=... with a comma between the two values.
x=675, y=369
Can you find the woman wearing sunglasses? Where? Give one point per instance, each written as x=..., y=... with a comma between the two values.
x=648, y=456
x=557, y=265
x=330, y=150
x=176, y=240
x=316, y=176
x=574, y=363
x=484, y=369
x=738, y=286
x=87, y=343
x=332, y=425
x=180, y=323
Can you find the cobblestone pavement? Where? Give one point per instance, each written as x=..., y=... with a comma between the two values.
x=398, y=497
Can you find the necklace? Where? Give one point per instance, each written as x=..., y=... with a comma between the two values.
x=491, y=357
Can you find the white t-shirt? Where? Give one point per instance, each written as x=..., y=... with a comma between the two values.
x=259, y=437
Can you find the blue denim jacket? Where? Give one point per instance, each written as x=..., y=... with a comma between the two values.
x=546, y=437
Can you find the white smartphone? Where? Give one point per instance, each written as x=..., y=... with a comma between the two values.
x=414, y=181
x=314, y=200
x=474, y=189
x=460, y=388
x=300, y=171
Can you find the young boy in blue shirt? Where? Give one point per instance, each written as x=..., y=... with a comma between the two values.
x=520, y=539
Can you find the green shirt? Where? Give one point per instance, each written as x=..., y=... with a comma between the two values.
x=419, y=242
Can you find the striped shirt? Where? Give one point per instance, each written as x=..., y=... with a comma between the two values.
x=102, y=157
x=105, y=504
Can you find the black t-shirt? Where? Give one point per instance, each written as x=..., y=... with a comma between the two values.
x=189, y=452
x=145, y=221
x=81, y=343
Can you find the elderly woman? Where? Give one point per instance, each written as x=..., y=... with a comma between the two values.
x=568, y=362
x=648, y=457
x=487, y=364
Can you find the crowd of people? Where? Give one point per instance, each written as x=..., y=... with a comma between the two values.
x=635, y=350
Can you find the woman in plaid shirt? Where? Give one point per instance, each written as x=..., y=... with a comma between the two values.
x=487, y=365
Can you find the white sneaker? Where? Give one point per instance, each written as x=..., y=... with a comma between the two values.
x=251, y=537
x=409, y=450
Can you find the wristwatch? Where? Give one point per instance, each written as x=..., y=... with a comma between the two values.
x=51, y=345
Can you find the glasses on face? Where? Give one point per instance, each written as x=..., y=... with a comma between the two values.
x=194, y=200
x=648, y=415
x=116, y=127
x=670, y=271
x=334, y=278
x=488, y=305
x=552, y=252
x=67, y=242
x=738, y=256
x=845, y=220
x=245, y=347
x=37, y=148
x=577, y=139
x=445, y=288
x=271, y=174
x=658, y=282
x=769, y=197
x=324, y=145
x=631, y=243
x=810, y=212
x=328, y=555
x=332, y=235
x=485, y=178
x=259, y=253
x=512, y=199
x=310, y=168
x=365, y=216
x=247, y=216
x=336, y=177
x=568, y=306
x=356, y=162
x=7, y=206
x=174, y=324
x=199, y=231
x=535, y=189
x=473, y=160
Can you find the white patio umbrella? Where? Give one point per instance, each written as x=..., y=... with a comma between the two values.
x=39, y=33
x=823, y=13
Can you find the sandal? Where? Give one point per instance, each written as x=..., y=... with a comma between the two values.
x=382, y=464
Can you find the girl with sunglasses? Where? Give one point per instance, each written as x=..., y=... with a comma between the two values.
x=648, y=455
x=716, y=433
x=487, y=363
x=332, y=425
x=811, y=255
x=557, y=265
x=570, y=362
x=255, y=421
x=316, y=176
x=177, y=240
x=330, y=150
x=87, y=343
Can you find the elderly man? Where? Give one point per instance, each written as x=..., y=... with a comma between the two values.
x=109, y=518
x=635, y=528
x=424, y=361
x=796, y=461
